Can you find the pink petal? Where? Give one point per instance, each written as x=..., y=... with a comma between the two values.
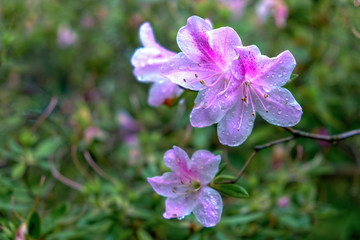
x=147, y=63
x=211, y=104
x=222, y=41
x=275, y=72
x=208, y=207
x=283, y=109
x=146, y=35
x=168, y=185
x=188, y=74
x=148, y=40
x=180, y=206
x=205, y=165
x=161, y=91
x=178, y=161
x=246, y=63
x=236, y=125
x=193, y=40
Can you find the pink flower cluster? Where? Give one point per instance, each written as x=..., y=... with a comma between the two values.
x=234, y=82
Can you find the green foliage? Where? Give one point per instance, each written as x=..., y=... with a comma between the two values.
x=300, y=190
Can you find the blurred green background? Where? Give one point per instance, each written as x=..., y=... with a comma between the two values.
x=73, y=56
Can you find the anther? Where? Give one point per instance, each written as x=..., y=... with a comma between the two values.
x=196, y=75
x=184, y=80
x=266, y=95
x=203, y=82
x=253, y=114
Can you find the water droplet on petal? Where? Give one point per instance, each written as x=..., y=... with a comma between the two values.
x=279, y=111
x=181, y=218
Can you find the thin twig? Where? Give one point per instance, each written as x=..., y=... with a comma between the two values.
x=296, y=134
x=68, y=182
x=42, y=180
x=96, y=167
x=50, y=107
x=242, y=169
x=14, y=210
x=77, y=163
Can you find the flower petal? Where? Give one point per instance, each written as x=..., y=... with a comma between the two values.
x=282, y=108
x=276, y=71
x=205, y=165
x=162, y=91
x=208, y=207
x=211, y=104
x=180, y=206
x=236, y=125
x=146, y=35
x=188, y=74
x=148, y=40
x=193, y=40
x=247, y=62
x=178, y=161
x=168, y=185
x=147, y=63
x=222, y=41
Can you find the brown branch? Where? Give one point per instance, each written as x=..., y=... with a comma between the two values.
x=77, y=163
x=96, y=167
x=296, y=134
x=50, y=107
x=68, y=182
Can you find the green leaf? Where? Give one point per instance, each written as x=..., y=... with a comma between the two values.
x=46, y=148
x=293, y=77
x=232, y=190
x=223, y=178
x=222, y=167
x=18, y=171
x=143, y=235
x=34, y=227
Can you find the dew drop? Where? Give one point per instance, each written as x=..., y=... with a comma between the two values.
x=181, y=218
x=280, y=75
x=279, y=111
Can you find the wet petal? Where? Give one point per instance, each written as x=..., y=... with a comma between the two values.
x=283, y=109
x=168, y=185
x=247, y=63
x=208, y=207
x=205, y=165
x=236, y=125
x=180, y=206
x=163, y=90
x=147, y=63
x=188, y=74
x=222, y=41
x=275, y=72
x=178, y=161
x=211, y=104
x=193, y=39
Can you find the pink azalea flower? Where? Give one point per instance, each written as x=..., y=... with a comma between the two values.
x=276, y=7
x=356, y=3
x=66, y=36
x=186, y=186
x=257, y=87
x=230, y=87
x=235, y=6
x=203, y=65
x=147, y=62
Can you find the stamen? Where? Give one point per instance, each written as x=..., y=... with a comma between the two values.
x=214, y=83
x=184, y=80
x=250, y=99
x=258, y=95
x=196, y=75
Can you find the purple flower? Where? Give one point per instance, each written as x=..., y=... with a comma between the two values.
x=186, y=186
x=257, y=87
x=231, y=88
x=277, y=7
x=235, y=6
x=283, y=202
x=203, y=65
x=147, y=62
x=66, y=36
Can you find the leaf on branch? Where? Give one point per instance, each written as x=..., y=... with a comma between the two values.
x=232, y=190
